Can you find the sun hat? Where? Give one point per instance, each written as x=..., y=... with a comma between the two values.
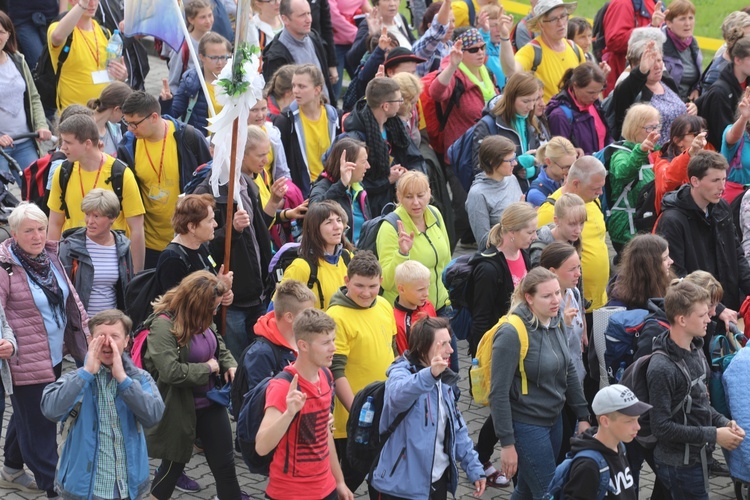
x=545, y=6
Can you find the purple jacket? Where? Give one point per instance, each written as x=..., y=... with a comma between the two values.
x=32, y=363
x=673, y=62
x=576, y=125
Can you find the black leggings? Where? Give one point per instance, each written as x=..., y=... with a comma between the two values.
x=486, y=441
x=213, y=428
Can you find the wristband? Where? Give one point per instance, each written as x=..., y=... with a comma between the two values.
x=504, y=39
x=585, y=419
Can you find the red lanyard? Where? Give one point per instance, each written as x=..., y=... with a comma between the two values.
x=161, y=160
x=96, y=181
x=95, y=54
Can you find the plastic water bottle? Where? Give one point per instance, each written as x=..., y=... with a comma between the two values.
x=620, y=371
x=296, y=230
x=366, y=415
x=477, y=382
x=114, y=47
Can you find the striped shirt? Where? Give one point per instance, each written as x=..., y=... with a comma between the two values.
x=106, y=274
x=111, y=476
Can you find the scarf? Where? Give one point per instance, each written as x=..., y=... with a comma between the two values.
x=486, y=85
x=680, y=44
x=379, y=148
x=39, y=269
x=520, y=127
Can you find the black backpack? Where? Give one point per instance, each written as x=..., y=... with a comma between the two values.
x=144, y=288
x=250, y=417
x=240, y=386
x=368, y=234
x=364, y=457
x=116, y=180
x=645, y=215
x=734, y=208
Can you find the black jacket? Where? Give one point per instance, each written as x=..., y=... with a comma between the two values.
x=492, y=288
x=379, y=190
x=718, y=104
x=584, y=473
x=626, y=94
x=707, y=244
x=249, y=280
x=276, y=55
x=667, y=387
x=321, y=23
x=192, y=150
x=325, y=189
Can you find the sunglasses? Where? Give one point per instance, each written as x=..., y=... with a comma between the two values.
x=474, y=50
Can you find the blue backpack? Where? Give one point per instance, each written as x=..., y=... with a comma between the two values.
x=460, y=153
x=562, y=474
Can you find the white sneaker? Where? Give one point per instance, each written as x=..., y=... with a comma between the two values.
x=18, y=480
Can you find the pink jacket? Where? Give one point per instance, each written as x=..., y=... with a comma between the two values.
x=467, y=111
x=342, y=13
x=32, y=363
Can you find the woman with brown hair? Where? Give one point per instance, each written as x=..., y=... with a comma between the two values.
x=643, y=272
x=107, y=114
x=188, y=359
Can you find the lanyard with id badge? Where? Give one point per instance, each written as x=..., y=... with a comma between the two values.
x=100, y=75
x=156, y=192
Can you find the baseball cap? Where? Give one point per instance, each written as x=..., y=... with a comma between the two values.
x=618, y=398
x=401, y=55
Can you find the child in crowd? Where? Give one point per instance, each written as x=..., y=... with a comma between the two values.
x=413, y=303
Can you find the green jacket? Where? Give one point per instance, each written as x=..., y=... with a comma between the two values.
x=431, y=248
x=172, y=439
x=624, y=168
x=32, y=104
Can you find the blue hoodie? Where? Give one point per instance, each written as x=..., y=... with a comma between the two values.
x=541, y=188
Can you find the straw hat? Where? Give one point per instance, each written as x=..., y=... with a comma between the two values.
x=545, y=6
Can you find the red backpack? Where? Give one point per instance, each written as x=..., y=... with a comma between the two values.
x=435, y=116
x=36, y=178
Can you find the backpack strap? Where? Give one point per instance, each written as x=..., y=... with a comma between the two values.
x=458, y=91
x=577, y=50
x=472, y=11
x=66, y=169
x=61, y=58
x=189, y=110
x=116, y=179
x=601, y=462
x=568, y=112
x=523, y=338
x=312, y=280
x=537, y=55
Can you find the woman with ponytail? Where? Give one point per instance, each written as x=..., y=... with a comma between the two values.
x=107, y=114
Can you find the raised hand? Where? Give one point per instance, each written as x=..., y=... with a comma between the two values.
x=648, y=144
x=384, y=42
x=381, y=72
x=405, y=240
x=438, y=364
x=505, y=23
x=295, y=399
x=648, y=59
x=346, y=169
x=657, y=19
x=166, y=92
x=456, y=54
x=744, y=106
x=606, y=69
x=699, y=142
x=374, y=22
x=483, y=21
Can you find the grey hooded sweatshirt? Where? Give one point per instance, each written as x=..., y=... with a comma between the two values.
x=552, y=378
x=486, y=201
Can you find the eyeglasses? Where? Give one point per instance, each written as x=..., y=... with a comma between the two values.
x=269, y=1
x=134, y=125
x=218, y=58
x=652, y=128
x=564, y=18
x=400, y=101
x=561, y=167
x=474, y=50
x=512, y=160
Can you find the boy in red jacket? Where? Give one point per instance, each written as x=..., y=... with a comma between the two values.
x=412, y=304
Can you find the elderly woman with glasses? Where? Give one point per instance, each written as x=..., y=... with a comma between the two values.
x=576, y=112
x=190, y=104
x=630, y=170
x=648, y=82
x=465, y=68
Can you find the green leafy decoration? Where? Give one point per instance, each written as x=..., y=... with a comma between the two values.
x=237, y=85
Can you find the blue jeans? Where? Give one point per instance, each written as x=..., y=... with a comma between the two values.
x=537, y=447
x=685, y=483
x=341, y=51
x=240, y=322
x=24, y=153
x=31, y=40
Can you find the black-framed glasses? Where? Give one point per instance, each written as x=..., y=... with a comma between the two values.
x=474, y=50
x=400, y=101
x=269, y=1
x=134, y=124
x=554, y=20
x=218, y=58
x=512, y=160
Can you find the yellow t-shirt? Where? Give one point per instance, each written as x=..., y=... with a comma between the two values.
x=461, y=12
x=594, y=252
x=331, y=277
x=365, y=337
x=317, y=141
x=76, y=84
x=269, y=166
x=81, y=182
x=212, y=94
x=159, y=192
x=553, y=65
x=263, y=181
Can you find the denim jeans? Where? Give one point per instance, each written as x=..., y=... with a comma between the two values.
x=537, y=447
x=685, y=483
x=240, y=322
x=31, y=40
x=341, y=51
x=24, y=153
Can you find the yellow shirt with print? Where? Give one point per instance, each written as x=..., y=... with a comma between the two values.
x=330, y=277
x=81, y=182
x=159, y=192
x=553, y=65
x=365, y=337
x=317, y=141
x=76, y=84
x=461, y=12
x=594, y=252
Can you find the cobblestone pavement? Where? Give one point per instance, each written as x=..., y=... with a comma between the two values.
x=721, y=488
